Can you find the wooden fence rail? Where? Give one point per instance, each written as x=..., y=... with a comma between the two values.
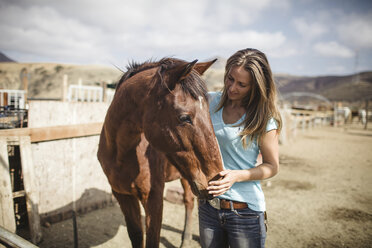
x=40, y=134
x=10, y=239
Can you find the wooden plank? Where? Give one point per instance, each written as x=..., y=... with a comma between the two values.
x=31, y=189
x=7, y=217
x=17, y=194
x=54, y=133
x=13, y=240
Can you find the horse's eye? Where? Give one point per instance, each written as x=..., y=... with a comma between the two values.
x=185, y=119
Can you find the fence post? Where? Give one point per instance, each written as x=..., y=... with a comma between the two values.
x=366, y=124
x=335, y=115
x=31, y=188
x=7, y=217
x=104, y=85
x=65, y=87
x=80, y=90
x=24, y=79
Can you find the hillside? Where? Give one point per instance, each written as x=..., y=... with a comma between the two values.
x=335, y=88
x=4, y=58
x=45, y=80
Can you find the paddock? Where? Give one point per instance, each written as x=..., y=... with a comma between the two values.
x=54, y=162
x=308, y=202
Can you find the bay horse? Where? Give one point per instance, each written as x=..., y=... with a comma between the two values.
x=158, y=118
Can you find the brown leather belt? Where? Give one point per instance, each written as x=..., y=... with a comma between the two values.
x=225, y=204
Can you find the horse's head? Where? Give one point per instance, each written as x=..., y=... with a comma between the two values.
x=177, y=122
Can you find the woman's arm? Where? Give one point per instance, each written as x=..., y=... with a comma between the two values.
x=269, y=146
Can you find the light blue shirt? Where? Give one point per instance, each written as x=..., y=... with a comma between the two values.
x=236, y=157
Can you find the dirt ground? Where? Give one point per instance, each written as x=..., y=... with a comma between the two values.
x=322, y=197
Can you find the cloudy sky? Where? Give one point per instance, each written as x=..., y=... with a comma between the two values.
x=300, y=37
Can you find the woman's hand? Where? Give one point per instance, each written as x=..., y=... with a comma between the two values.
x=228, y=178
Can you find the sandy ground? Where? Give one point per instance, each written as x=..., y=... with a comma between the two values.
x=322, y=197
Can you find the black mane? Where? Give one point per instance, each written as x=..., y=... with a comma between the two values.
x=192, y=84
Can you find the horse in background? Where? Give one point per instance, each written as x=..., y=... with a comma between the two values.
x=159, y=118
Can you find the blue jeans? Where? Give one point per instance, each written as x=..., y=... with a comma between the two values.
x=224, y=228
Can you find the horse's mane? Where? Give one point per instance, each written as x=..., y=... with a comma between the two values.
x=192, y=84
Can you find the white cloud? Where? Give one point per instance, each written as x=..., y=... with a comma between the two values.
x=333, y=49
x=222, y=13
x=309, y=30
x=356, y=30
x=115, y=31
x=43, y=32
x=250, y=38
x=284, y=52
x=203, y=44
x=336, y=69
x=95, y=31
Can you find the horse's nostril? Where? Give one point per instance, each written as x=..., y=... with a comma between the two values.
x=200, y=191
x=195, y=189
x=210, y=197
x=216, y=177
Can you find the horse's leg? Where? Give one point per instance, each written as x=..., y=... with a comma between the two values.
x=131, y=209
x=188, y=199
x=153, y=206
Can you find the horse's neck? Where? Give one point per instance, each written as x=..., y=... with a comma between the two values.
x=123, y=123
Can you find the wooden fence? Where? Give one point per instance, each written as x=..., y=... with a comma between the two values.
x=23, y=137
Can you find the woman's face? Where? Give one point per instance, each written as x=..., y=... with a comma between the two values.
x=238, y=83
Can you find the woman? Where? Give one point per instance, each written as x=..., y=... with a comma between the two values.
x=246, y=122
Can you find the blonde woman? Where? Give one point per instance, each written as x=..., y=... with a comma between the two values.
x=246, y=122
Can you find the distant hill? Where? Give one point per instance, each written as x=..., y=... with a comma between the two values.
x=45, y=80
x=351, y=88
x=4, y=58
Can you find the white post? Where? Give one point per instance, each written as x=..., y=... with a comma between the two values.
x=76, y=94
x=80, y=83
x=335, y=115
x=65, y=88
x=89, y=93
x=9, y=98
x=16, y=100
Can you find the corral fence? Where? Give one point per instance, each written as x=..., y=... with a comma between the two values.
x=9, y=239
x=48, y=170
x=15, y=98
x=86, y=93
x=295, y=120
x=13, y=112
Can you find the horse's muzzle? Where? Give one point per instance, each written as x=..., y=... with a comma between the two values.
x=200, y=192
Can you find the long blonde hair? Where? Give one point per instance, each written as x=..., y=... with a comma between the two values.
x=260, y=102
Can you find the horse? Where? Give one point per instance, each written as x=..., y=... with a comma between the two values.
x=158, y=118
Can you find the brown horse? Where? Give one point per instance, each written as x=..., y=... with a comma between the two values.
x=159, y=118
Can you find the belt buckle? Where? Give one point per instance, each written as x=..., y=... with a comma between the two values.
x=216, y=203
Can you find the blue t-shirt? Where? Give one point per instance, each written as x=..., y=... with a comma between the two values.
x=236, y=157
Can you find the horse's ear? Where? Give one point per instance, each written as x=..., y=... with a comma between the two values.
x=179, y=73
x=202, y=67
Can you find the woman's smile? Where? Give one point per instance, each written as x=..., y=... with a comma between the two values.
x=238, y=83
